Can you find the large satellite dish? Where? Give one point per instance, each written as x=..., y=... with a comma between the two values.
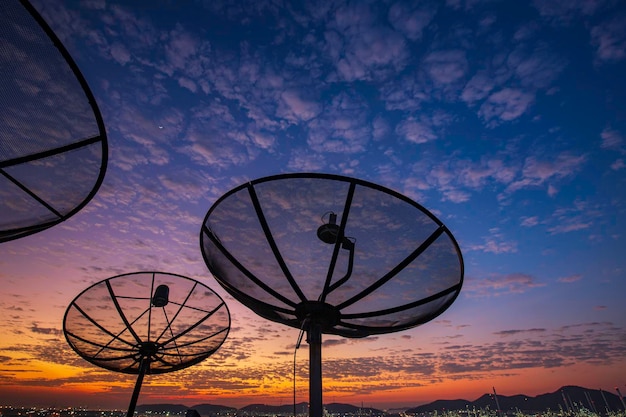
x=331, y=254
x=53, y=146
x=146, y=323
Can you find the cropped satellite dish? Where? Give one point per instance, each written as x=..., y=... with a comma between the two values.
x=146, y=323
x=53, y=145
x=331, y=254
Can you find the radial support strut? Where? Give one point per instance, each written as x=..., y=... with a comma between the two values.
x=314, y=339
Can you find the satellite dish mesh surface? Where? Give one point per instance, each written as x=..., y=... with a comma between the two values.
x=355, y=257
x=53, y=147
x=170, y=320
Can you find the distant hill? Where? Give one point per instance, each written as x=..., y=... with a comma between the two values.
x=202, y=409
x=161, y=408
x=567, y=397
x=273, y=409
x=211, y=409
x=336, y=408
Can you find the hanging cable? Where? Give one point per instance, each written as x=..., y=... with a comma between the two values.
x=298, y=343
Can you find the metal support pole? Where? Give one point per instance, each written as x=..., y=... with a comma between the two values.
x=621, y=398
x=495, y=397
x=143, y=368
x=314, y=339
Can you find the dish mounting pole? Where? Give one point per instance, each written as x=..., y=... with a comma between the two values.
x=314, y=339
x=143, y=368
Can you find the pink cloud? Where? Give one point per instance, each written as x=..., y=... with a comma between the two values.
x=120, y=53
x=537, y=69
x=501, y=284
x=570, y=278
x=446, y=67
x=563, y=165
x=529, y=221
x=342, y=126
x=294, y=108
x=610, y=39
x=572, y=226
x=566, y=10
x=360, y=46
x=611, y=139
x=537, y=172
x=495, y=243
x=506, y=104
x=181, y=47
x=478, y=87
x=411, y=23
x=415, y=131
x=188, y=84
x=618, y=164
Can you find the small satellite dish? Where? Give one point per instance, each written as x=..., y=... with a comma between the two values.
x=331, y=254
x=53, y=145
x=146, y=323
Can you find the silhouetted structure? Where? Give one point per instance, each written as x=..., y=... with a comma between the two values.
x=146, y=323
x=53, y=145
x=377, y=262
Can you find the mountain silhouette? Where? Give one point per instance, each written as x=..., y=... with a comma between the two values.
x=568, y=397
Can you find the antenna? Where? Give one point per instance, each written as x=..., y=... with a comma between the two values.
x=146, y=323
x=380, y=263
x=53, y=145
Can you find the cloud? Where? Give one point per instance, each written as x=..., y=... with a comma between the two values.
x=529, y=221
x=380, y=128
x=570, y=278
x=571, y=226
x=564, y=165
x=609, y=38
x=188, y=84
x=506, y=104
x=537, y=69
x=538, y=172
x=365, y=48
x=296, y=109
x=611, y=139
x=501, y=284
x=342, y=127
x=494, y=243
x=476, y=175
x=334, y=342
x=304, y=161
x=477, y=88
x=456, y=196
x=44, y=330
x=446, y=67
x=516, y=332
x=618, y=164
x=415, y=131
x=406, y=93
x=564, y=11
x=182, y=52
x=410, y=21
x=455, y=179
x=536, y=348
x=579, y=215
x=120, y=53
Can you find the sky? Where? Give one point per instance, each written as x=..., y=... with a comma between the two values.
x=507, y=120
